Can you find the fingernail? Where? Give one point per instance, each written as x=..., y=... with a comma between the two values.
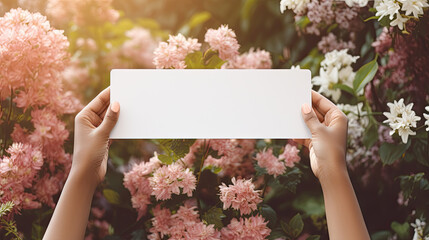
x=115, y=107
x=305, y=108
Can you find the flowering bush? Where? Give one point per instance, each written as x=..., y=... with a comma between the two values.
x=370, y=58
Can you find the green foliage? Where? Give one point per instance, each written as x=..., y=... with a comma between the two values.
x=214, y=216
x=290, y=179
x=390, y=152
x=210, y=60
x=411, y=184
x=269, y=214
x=295, y=226
x=174, y=149
x=5, y=208
x=402, y=230
x=111, y=196
x=364, y=75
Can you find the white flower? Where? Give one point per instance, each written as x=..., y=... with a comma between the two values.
x=387, y=7
x=335, y=69
x=419, y=226
x=401, y=118
x=357, y=122
x=427, y=118
x=399, y=21
x=295, y=67
x=298, y=6
x=360, y=3
x=414, y=7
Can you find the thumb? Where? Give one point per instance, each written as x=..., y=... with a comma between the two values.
x=110, y=118
x=311, y=119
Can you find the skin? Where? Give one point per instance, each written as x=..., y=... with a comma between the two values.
x=328, y=126
x=327, y=146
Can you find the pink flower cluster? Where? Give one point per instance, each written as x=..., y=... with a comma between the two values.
x=18, y=172
x=173, y=53
x=224, y=41
x=234, y=157
x=153, y=178
x=277, y=166
x=251, y=60
x=184, y=224
x=82, y=12
x=241, y=195
x=32, y=57
x=170, y=179
x=139, y=47
x=253, y=227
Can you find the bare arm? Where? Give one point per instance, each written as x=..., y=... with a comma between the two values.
x=328, y=126
x=92, y=128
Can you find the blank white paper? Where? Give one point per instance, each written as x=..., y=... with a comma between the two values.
x=217, y=103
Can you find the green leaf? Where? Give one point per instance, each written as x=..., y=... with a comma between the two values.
x=344, y=87
x=390, y=152
x=199, y=18
x=371, y=18
x=194, y=60
x=269, y=214
x=294, y=227
x=364, y=75
x=411, y=183
x=310, y=204
x=381, y=235
x=290, y=179
x=214, y=216
x=370, y=136
x=403, y=230
x=165, y=159
x=210, y=60
x=111, y=196
x=5, y=208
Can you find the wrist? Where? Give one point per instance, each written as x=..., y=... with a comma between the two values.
x=83, y=177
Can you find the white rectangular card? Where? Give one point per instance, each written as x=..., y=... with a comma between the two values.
x=194, y=103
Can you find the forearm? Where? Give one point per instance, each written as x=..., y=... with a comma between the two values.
x=71, y=214
x=343, y=214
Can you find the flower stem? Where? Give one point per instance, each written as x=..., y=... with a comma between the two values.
x=7, y=121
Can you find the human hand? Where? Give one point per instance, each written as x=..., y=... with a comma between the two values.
x=328, y=127
x=91, y=141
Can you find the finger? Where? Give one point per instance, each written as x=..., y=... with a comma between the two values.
x=320, y=103
x=110, y=119
x=319, y=115
x=311, y=119
x=100, y=102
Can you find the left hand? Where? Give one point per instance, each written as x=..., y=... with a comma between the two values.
x=91, y=141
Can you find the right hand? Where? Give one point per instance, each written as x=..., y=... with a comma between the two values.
x=328, y=127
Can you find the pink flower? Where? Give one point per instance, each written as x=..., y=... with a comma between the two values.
x=251, y=60
x=18, y=173
x=171, y=179
x=241, y=195
x=200, y=231
x=161, y=221
x=235, y=157
x=82, y=12
x=224, y=41
x=47, y=187
x=139, y=47
x=290, y=155
x=271, y=163
x=137, y=182
x=173, y=53
x=253, y=227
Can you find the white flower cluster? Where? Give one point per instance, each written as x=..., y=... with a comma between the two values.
x=298, y=6
x=401, y=119
x=419, y=226
x=335, y=69
x=360, y=3
x=357, y=123
x=399, y=11
x=427, y=118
